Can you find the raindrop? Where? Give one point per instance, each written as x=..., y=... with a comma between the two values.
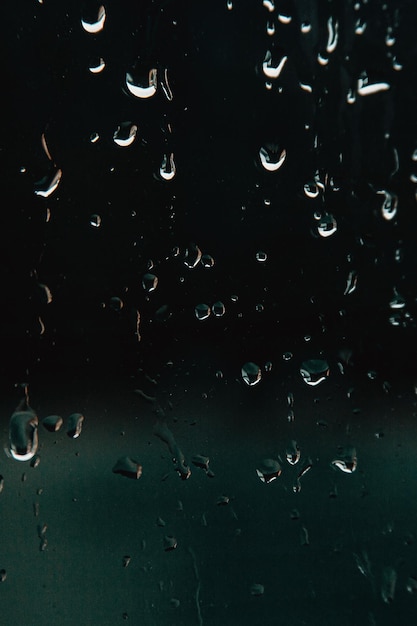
x=311, y=190
x=116, y=303
x=142, y=89
x=389, y=206
x=207, y=260
x=125, y=134
x=125, y=466
x=98, y=24
x=270, y=70
x=261, y=257
x=287, y=356
x=95, y=221
x=411, y=585
x=351, y=283
x=3, y=575
x=168, y=168
x=1, y=483
x=251, y=374
x=389, y=581
x=364, y=88
x=202, y=311
x=48, y=184
x=23, y=432
x=52, y=423
x=98, y=66
x=268, y=470
x=74, y=425
x=35, y=461
x=126, y=560
x=268, y=366
x=175, y=603
x=305, y=27
x=272, y=157
x=94, y=137
x=218, y=309
x=314, y=371
x=290, y=399
x=347, y=461
x=149, y=282
x=284, y=19
x=397, y=301
x=270, y=28
x=327, y=225
x=201, y=461
x=192, y=256
x=269, y=4
x=170, y=543
x=293, y=453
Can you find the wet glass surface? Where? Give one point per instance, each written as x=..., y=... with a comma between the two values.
x=208, y=261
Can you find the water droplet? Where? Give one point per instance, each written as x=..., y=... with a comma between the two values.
x=192, y=256
x=3, y=575
x=144, y=87
x=257, y=589
x=94, y=137
x=52, y=423
x=261, y=257
x=97, y=66
x=287, y=356
x=269, y=4
x=347, y=462
x=125, y=466
x=272, y=157
x=269, y=69
x=397, y=301
x=175, y=603
x=201, y=461
x=116, y=303
x=126, y=560
x=332, y=28
x=327, y=225
x=311, y=190
x=284, y=19
x=270, y=28
x=207, y=260
x=48, y=184
x=170, y=543
x=389, y=581
x=305, y=27
x=149, y=282
x=98, y=24
x=74, y=425
x=35, y=461
x=218, y=309
x=1, y=483
x=125, y=134
x=351, y=283
x=314, y=371
x=23, y=432
x=95, y=220
x=293, y=453
x=364, y=88
x=389, y=206
x=411, y=585
x=268, y=470
x=202, y=311
x=268, y=366
x=168, y=168
x=290, y=399
x=251, y=374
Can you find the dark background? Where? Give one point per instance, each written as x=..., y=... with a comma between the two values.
x=85, y=356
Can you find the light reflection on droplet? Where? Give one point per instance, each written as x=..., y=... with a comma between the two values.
x=168, y=169
x=251, y=374
x=139, y=90
x=202, y=312
x=272, y=157
x=98, y=67
x=125, y=134
x=95, y=220
x=314, y=371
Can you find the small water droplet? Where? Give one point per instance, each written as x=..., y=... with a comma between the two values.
x=327, y=225
x=272, y=157
x=3, y=575
x=125, y=134
x=97, y=24
x=293, y=453
x=95, y=221
x=389, y=581
x=149, y=282
x=287, y=356
x=218, y=309
x=97, y=66
x=347, y=462
x=52, y=423
x=207, y=260
x=311, y=190
x=116, y=303
x=268, y=470
x=169, y=543
x=192, y=256
x=168, y=168
x=261, y=257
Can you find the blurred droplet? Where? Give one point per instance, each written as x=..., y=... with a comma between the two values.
x=411, y=585
x=268, y=470
x=125, y=466
x=126, y=560
x=3, y=575
x=201, y=461
x=97, y=25
x=314, y=371
x=251, y=374
x=389, y=581
x=125, y=134
x=257, y=589
x=351, y=283
x=116, y=303
x=74, y=425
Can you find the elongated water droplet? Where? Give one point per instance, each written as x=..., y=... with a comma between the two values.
x=74, y=425
x=168, y=168
x=125, y=466
x=23, y=432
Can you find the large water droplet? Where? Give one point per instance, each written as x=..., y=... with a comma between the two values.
x=272, y=157
x=192, y=255
x=251, y=374
x=144, y=87
x=314, y=371
x=97, y=25
x=202, y=312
